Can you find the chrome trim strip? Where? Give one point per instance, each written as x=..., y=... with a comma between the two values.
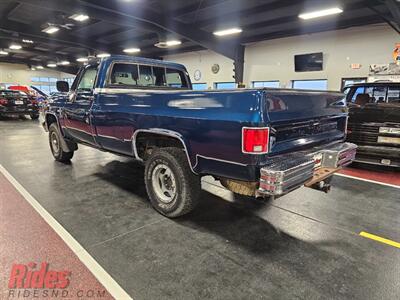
x=113, y=137
x=160, y=131
x=80, y=130
x=218, y=159
x=131, y=90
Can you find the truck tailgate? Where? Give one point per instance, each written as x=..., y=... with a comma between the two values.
x=300, y=119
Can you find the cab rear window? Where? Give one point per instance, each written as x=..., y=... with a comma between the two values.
x=145, y=76
x=378, y=94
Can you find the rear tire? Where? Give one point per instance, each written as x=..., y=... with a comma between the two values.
x=55, y=139
x=172, y=187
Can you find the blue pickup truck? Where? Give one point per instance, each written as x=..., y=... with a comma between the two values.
x=256, y=142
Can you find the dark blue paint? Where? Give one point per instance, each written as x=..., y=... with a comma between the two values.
x=209, y=122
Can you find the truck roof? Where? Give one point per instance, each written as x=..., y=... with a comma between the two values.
x=380, y=83
x=142, y=60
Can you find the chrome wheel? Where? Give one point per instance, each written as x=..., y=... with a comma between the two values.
x=55, y=145
x=164, y=184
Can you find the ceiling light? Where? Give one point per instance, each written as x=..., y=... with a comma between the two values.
x=102, y=55
x=321, y=13
x=131, y=50
x=2, y=52
x=39, y=67
x=33, y=69
x=51, y=29
x=27, y=41
x=173, y=43
x=228, y=31
x=52, y=65
x=15, y=46
x=82, y=59
x=79, y=17
x=168, y=44
x=64, y=63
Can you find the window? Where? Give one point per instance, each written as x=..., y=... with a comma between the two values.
x=310, y=84
x=69, y=80
x=147, y=76
x=393, y=94
x=87, y=80
x=359, y=90
x=266, y=84
x=348, y=81
x=44, y=84
x=225, y=85
x=378, y=94
x=175, y=79
x=199, y=86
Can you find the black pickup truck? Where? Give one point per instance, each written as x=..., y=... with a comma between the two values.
x=374, y=122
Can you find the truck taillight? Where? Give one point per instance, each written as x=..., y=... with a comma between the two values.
x=3, y=101
x=255, y=140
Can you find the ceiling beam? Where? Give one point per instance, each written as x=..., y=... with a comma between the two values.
x=34, y=32
x=126, y=13
x=28, y=49
x=394, y=10
x=315, y=28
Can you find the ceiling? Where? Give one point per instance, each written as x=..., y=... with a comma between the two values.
x=114, y=25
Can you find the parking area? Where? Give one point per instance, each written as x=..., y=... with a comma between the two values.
x=306, y=244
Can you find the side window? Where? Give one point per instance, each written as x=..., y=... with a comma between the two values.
x=176, y=79
x=146, y=76
x=393, y=94
x=88, y=78
x=125, y=74
x=377, y=94
x=359, y=90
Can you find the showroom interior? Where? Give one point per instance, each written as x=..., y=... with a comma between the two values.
x=202, y=111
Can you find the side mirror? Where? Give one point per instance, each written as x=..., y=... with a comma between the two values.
x=62, y=86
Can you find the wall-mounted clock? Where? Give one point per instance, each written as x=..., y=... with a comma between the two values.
x=197, y=75
x=215, y=68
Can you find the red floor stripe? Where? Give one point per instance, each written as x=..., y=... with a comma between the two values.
x=26, y=239
x=389, y=177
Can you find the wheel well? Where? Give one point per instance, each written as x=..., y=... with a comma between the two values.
x=146, y=142
x=50, y=119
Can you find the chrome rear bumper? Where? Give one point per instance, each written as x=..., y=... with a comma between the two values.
x=285, y=173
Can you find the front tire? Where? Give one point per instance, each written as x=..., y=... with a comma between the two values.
x=172, y=187
x=34, y=116
x=55, y=141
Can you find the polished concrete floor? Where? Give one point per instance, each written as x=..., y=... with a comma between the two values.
x=305, y=245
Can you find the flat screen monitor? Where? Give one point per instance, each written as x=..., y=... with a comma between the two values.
x=308, y=62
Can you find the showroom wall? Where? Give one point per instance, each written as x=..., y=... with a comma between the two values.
x=21, y=74
x=274, y=59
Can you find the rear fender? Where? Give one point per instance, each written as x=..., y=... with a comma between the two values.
x=164, y=132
